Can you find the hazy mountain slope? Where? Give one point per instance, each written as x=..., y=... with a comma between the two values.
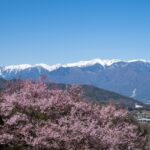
x=2, y=84
x=122, y=78
x=102, y=96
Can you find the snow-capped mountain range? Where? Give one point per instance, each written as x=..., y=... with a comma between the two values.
x=103, y=62
x=115, y=75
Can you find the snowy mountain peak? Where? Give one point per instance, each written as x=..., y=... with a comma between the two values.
x=27, y=66
x=17, y=67
x=139, y=60
x=54, y=67
x=48, y=67
x=103, y=62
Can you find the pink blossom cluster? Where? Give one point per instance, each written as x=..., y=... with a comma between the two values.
x=35, y=117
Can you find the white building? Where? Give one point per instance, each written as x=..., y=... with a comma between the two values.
x=138, y=106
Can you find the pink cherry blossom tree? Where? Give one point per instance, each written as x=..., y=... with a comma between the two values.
x=34, y=117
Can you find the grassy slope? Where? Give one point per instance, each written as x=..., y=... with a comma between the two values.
x=102, y=96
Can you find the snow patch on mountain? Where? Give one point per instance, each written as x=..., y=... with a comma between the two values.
x=138, y=60
x=16, y=67
x=134, y=93
x=47, y=67
x=103, y=62
x=27, y=66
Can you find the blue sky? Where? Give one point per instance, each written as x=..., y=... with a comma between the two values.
x=61, y=31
